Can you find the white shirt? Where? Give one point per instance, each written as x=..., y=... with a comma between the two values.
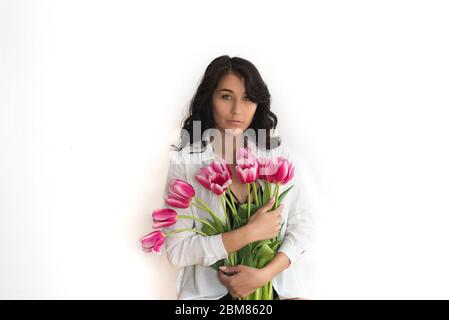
x=194, y=253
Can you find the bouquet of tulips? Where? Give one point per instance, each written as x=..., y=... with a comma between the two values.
x=217, y=177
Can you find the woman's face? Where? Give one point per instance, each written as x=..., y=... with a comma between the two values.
x=231, y=103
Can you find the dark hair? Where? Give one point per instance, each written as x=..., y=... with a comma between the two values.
x=200, y=108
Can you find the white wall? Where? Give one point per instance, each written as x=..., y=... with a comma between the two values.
x=92, y=92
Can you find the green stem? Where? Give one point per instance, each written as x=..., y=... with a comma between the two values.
x=202, y=203
x=249, y=200
x=204, y=207
x=228, y=223
x=181, y=230
x=249, y=207
x=233, y=209
x=198, y=205
x=232, y=198
x=276, y=196
x=230, y=261
x=198, y=219
x=234, y=213
x=269, y=190
x=255, y=194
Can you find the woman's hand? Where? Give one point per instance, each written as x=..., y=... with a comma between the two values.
x=265, y=224
x=245, y=280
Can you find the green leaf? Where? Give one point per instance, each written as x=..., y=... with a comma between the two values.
x=237, y=222
x=275, y=248
x=264, y=251
x=275, y=245
x=259, y=243
x=250, y=261
x=208, y=230
x=266, y=193
x=283, y=194
x=218, y=264
x=218, y=224
x=244, y=251
x=242, y=212
x=264, y=254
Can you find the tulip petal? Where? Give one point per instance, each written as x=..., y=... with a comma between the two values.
x=164, y=213
x=153, y=241
x=177, y=203
x=281, y=171
x=162, y=224
x=182, y=188
x=217, y=189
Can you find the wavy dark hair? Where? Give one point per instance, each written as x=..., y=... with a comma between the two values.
x=200, y=108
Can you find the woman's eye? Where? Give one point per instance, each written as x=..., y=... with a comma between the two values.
x=227, y=95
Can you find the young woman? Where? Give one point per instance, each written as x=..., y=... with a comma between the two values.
x=231, y=101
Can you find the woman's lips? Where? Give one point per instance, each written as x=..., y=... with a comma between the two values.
x=235, y=122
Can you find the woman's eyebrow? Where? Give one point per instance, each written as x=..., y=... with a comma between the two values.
x=226, y=90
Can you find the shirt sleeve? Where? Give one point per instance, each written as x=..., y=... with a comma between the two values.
x=187, y=247
x=299, y=232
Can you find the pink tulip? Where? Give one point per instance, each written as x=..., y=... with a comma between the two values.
x=177, y=202
x=278, y=170
x=164, y=217
x=181, y=188
x=244, y=155
x=153, y=241
x=215, y=177
x=247, y=166
x=180, y=193
x=265, y=167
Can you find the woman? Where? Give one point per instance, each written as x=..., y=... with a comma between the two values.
x=231, y=108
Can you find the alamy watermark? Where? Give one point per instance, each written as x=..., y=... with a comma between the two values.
x=223, y=142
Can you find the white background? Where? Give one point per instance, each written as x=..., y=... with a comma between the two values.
x=92, y=94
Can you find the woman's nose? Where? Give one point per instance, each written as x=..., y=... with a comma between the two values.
x=237, y=108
